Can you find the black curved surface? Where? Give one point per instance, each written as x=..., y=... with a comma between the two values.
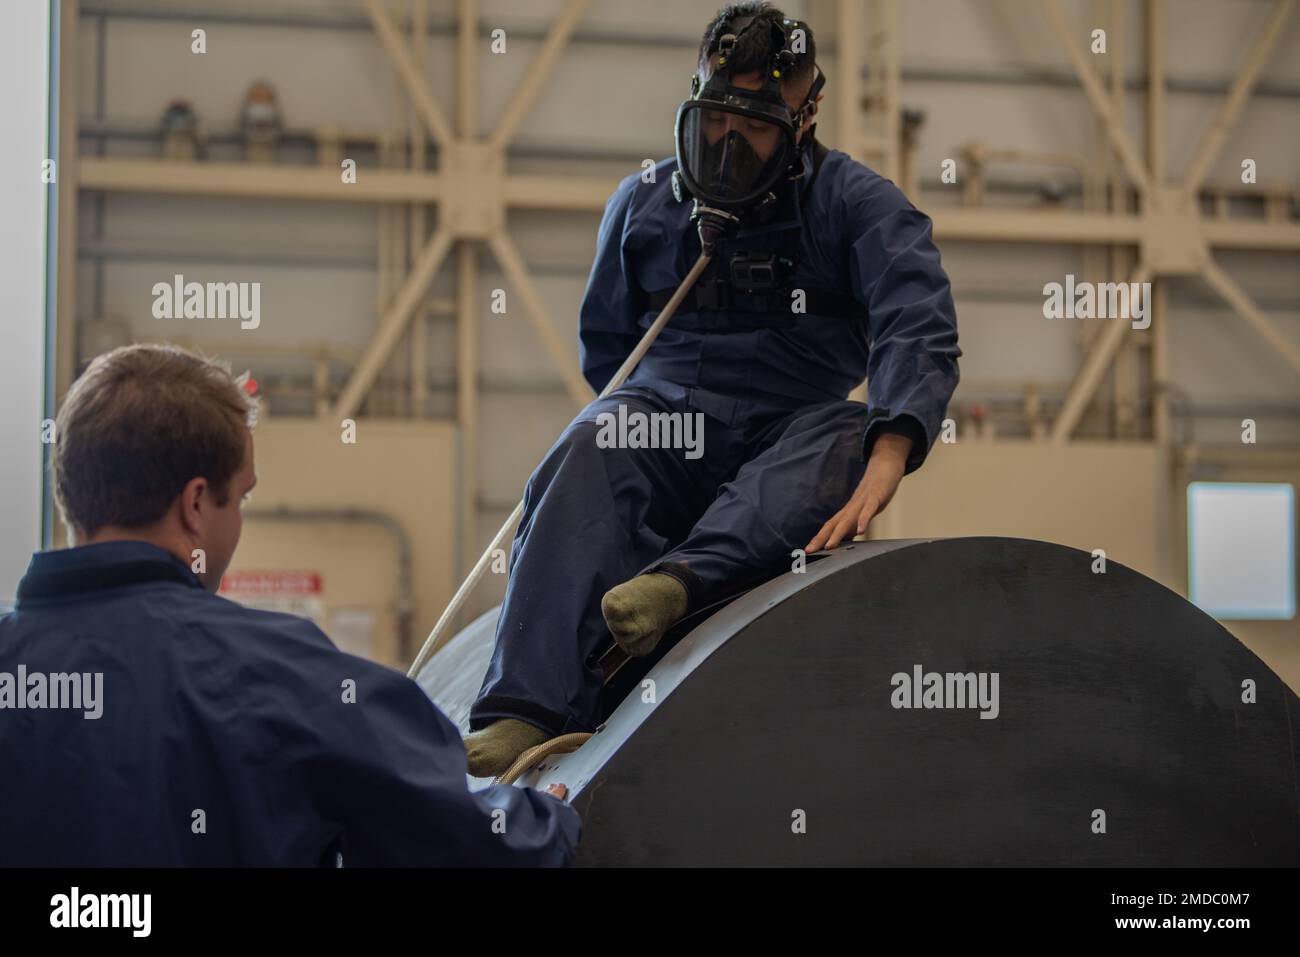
x=1115, y=694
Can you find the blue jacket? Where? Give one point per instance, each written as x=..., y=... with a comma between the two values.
x=859, y=238
x=224, y=737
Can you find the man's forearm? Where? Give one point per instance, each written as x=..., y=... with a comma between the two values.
x=885, y=468
x=892, y=447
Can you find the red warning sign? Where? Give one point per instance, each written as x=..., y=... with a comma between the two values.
x=295, y=592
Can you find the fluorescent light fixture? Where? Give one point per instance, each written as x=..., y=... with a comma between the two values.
x=1241, y=549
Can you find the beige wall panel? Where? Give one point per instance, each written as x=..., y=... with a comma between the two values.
x=357, y=565
x=1086, y=495
x=403, y=469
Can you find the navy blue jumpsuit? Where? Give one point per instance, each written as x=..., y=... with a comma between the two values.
x=783, y=447
x=207, y=706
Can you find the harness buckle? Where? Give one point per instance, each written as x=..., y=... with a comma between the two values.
x=713, y=294
x=759, y=272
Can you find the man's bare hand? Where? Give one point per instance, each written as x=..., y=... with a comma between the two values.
x=879, y=483
x=558, y=790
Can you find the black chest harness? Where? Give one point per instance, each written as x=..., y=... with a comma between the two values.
x=756, y=289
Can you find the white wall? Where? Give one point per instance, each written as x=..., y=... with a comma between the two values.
x=24, y=53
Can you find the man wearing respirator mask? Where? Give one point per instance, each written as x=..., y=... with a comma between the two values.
x=820, y=274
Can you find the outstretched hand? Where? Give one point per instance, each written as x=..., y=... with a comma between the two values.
x=879, y=483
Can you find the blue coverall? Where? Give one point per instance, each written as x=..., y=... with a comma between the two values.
x=225, y=737
x=783, y=447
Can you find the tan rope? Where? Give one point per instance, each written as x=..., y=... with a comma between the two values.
x=564, y=744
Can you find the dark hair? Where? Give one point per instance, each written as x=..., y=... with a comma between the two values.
x=137, y=426
x=754, y=50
